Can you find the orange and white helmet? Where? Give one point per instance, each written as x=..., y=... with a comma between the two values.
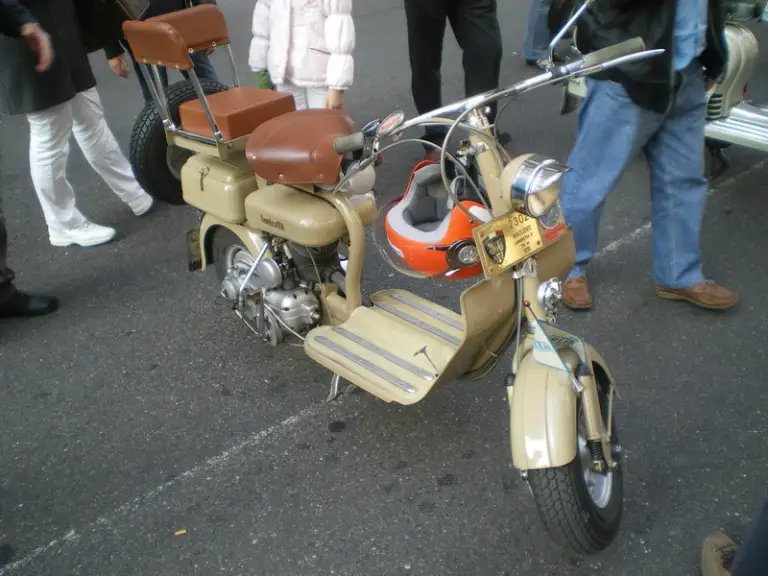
x=427, y=234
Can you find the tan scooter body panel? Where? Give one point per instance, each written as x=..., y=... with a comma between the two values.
x=301, y=216
x=251, y=238
x=743, y=57
x=307, y=231
x=542, y=406
x=217, y=187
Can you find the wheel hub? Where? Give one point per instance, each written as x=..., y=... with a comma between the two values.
x=599, y=484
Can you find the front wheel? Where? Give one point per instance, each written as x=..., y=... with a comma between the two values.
x=580, y=508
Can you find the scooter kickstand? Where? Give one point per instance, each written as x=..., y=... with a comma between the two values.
x=334, y=393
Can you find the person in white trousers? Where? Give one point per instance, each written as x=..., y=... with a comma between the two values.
x=305, y=47
x=59, y=103
x=50, y=131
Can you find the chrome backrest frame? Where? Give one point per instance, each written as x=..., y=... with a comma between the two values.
x=155, y=86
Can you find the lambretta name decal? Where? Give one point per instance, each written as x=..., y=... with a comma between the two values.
x=273, y=223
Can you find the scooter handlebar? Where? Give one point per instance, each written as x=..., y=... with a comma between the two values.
x=631, y=46
x=351, y=143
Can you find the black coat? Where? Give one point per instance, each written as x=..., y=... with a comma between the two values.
x=100, y=21
x=12, y=17
x=22, y=90
x=649, y=83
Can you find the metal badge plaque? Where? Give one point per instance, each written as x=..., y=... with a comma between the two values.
x=508, y=240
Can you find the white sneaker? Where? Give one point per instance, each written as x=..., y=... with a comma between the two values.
x=89, y=234
x=141, y=205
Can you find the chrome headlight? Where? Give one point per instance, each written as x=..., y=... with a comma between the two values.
x=534, y=182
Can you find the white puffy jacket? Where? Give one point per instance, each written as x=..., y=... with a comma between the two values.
x=305, y=42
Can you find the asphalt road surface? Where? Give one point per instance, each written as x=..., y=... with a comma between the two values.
x=142, y=408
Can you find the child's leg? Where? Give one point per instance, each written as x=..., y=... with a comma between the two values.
x=299, y=94
x=317, y=97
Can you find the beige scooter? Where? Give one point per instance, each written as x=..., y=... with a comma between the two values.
x=281, y=190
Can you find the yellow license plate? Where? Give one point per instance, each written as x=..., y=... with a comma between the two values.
x=508, y=240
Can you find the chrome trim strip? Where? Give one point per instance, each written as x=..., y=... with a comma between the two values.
x=434, y=313
x=416, y=322
x=191, y=136
x=232, y=67
x=368, y=345
x=394, y=380
x=204, y=103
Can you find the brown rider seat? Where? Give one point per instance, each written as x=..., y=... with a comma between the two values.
x=169, y=40
x=297, y=148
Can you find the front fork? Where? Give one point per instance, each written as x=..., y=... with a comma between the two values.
x=582, y=374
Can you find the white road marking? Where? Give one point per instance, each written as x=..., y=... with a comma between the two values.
x=645, y=228
x=276, y=430
x=136, y=504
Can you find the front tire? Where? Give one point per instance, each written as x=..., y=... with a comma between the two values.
x=581, y=509
x=156, y=165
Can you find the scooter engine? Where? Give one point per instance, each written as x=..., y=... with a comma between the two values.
x=274, y=301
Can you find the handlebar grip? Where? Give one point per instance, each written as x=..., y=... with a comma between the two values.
x=351, y=143
x=625, y=48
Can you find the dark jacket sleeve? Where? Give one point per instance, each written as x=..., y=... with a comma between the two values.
x=113, y=50
x=12, y=17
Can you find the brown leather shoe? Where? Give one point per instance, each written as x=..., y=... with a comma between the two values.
x=705, y=294
x=576, y=295
x=717, y=554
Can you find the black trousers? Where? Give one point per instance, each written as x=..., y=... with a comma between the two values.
x=6, y=275
x=476, y=28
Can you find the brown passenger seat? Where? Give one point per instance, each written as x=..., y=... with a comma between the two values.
x=297, y=148
x=237, y=111
x=169, y=40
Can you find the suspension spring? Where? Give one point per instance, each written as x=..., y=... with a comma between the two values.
x=598, y=459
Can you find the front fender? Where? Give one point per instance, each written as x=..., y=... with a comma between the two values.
x=542, y=406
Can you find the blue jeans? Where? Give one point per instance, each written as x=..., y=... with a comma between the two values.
x=752, y=556
x=612, y=130
x=537, y=37
x=203, y=69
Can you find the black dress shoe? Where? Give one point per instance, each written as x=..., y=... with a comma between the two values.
x=24, y=305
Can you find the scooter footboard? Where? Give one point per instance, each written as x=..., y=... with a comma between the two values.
x=542, y=406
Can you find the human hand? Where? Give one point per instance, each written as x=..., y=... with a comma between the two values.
x=335, y=100
x=120, y=66
x=40, y=43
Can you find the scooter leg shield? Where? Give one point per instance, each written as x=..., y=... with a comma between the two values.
x=542, y=406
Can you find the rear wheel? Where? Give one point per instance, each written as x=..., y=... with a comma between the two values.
x=225, y=249
x=156, y=165
x=580, y=508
